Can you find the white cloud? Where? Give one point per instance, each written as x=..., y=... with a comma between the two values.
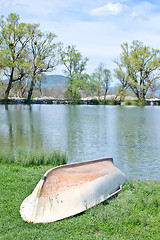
x=108, y=9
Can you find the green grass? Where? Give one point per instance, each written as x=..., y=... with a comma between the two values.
x=132, y=214
x=32, y=158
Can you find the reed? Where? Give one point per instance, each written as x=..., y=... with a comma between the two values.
x=24, y=157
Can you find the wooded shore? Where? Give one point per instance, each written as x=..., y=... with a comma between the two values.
x=86, y=101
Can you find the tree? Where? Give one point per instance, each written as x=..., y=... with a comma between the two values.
x=106, y=80
x=25, y=54
x=96, y=83
x=154, y=87
x=21, y=86
x=2, y=87
x=14, y=38
x=138, y=67
x=122, y=87
x=43, y=52
x=75, y=65
x=100, y=79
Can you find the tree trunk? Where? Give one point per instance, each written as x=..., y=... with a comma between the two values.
x=105, y=93
x=30, y=92
x=8, y=90
x=153, y=94
x=142, y=99
x=98, y=95
x=9, y=86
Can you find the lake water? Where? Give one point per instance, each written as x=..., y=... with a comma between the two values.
x=131, y=135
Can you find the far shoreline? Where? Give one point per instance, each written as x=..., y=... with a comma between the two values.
x=84, y=101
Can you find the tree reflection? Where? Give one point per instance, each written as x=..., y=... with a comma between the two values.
x=21, y=128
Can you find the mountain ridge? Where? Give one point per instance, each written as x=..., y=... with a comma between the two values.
x=54, y=81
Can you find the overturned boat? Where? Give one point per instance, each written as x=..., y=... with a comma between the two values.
x=70, y=189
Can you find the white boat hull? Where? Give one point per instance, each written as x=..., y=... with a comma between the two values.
x=49, y=205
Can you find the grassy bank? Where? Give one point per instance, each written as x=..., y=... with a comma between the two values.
x=132, y=214
x=32, y=158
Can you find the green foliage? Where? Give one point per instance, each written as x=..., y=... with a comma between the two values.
x=32, y=158
x=137, y=68
x=94, y=101
x=109, y=102
x=75, y=98
x=132, y=214
x=100, y=80
x=141, y=103
x=13, y=49
x=75, y=65
x=42, y=56
x=131, y=102
x=25, y=54
x=155, y=85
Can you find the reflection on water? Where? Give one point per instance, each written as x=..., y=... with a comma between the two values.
x=131, y=135
x=20, y=127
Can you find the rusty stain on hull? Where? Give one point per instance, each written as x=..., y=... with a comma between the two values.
x=73, y=175
x=69, y=189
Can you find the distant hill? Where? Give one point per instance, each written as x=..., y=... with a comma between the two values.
x=54, y=81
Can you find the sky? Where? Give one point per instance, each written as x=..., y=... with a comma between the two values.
x=96, y=27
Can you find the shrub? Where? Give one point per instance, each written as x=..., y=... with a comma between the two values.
x=94, y=101
x=131, y=102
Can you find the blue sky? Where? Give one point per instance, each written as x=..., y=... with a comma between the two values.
x=97, y=28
